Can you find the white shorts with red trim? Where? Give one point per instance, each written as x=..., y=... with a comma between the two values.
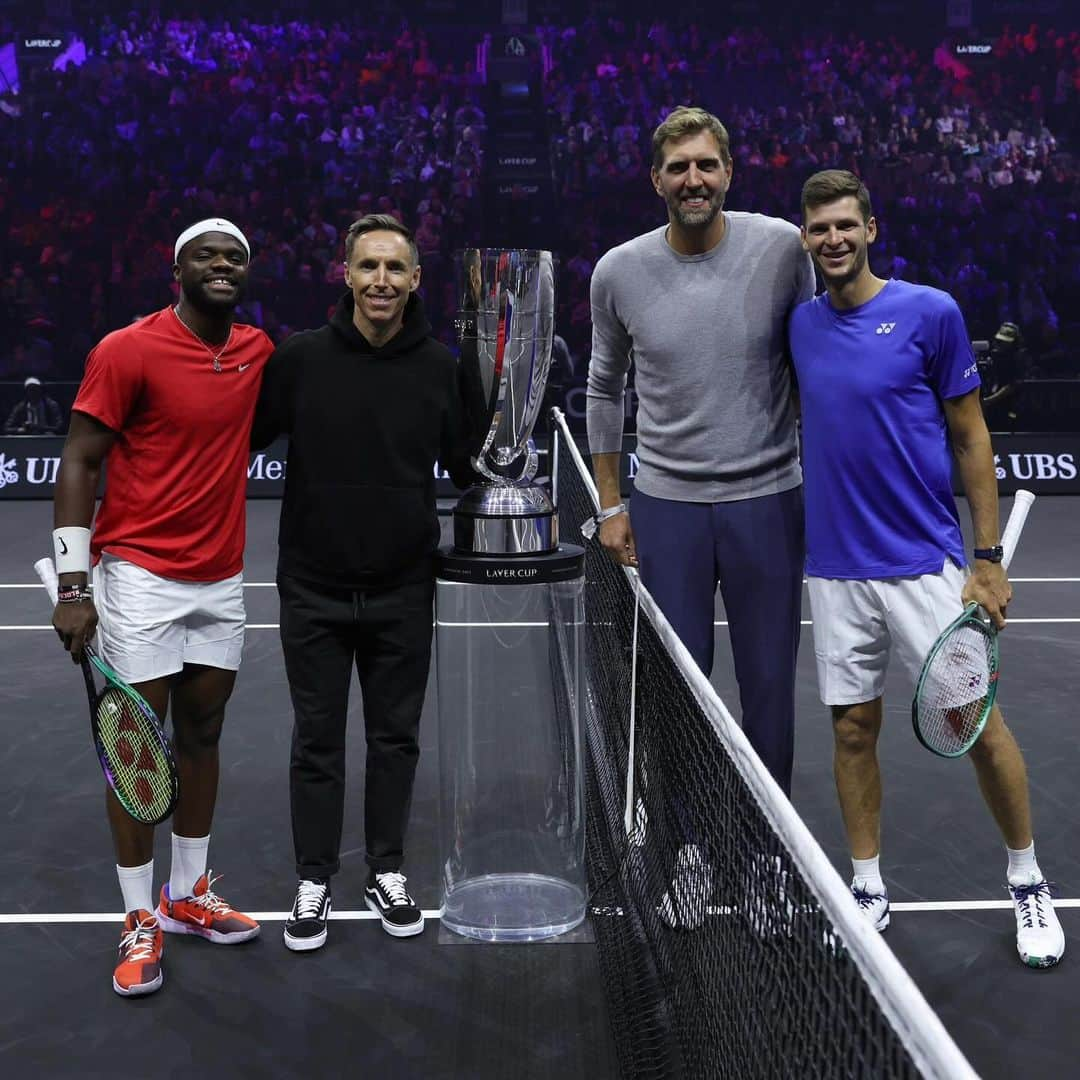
x=859, y=625
x=152, y=626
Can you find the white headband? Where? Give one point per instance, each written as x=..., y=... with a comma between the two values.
x=210, y=225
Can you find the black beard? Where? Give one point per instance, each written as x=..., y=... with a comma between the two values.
x=208, y=305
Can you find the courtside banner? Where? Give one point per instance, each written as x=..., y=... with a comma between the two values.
x=1044, y=464
x=1047, y=464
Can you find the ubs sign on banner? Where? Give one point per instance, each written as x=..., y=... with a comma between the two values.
x=1045, y=464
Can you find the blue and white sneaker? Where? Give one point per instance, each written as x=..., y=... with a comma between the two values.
x=1040, y=941
x=873, y=903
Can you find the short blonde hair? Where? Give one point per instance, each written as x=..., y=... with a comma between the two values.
x=689, y=120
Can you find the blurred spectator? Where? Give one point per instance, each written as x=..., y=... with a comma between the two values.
x=947, y=148
x=282, y=122
x=296, y=125
x=36, y=414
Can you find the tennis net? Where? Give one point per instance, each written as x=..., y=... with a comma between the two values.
x=728, y=944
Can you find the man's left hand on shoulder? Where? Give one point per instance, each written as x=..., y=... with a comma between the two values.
x=989, y=587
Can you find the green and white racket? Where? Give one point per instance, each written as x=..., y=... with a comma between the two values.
x=131, y=744
x=959, y=678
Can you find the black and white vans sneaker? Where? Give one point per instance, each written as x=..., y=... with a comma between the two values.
x=305, y=928
x=386, y=894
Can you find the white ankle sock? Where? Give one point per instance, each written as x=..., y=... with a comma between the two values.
x=137, y=885
x=868, y=871
x=188, y=864
x=1023, y=869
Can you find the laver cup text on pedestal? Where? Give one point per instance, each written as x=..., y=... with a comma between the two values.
x=505, y=326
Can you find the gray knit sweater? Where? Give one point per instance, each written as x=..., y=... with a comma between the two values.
x=707, y=336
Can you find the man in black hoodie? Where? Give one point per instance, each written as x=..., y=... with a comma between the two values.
x=369, y=402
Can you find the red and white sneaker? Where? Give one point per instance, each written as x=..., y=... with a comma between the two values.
x=206, y=914
x=138, y=961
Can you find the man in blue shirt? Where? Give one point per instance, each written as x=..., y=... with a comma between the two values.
x=888, y=380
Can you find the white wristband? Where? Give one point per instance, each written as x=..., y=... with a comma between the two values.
x=610, y=512
x=591, y=524
x=71, y=550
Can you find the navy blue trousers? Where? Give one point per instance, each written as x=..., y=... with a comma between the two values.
x=753, y=549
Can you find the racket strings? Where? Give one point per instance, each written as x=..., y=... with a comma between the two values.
x=140, y=767
x=957, y=687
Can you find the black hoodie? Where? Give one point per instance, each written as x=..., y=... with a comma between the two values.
x=365, y=426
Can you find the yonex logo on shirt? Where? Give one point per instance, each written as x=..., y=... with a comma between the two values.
x=885, y=328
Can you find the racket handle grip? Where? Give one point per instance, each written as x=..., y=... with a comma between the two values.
x=1022, y=501
x=47, y=573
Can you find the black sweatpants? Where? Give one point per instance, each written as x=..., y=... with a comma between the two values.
x=387, y=634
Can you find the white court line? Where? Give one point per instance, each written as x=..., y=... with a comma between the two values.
x=497, y=625
x=1012, y=622
x=1037, y=580
x=30, y=918
x=968, y=905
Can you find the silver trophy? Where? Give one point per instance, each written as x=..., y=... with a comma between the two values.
x=505, y=324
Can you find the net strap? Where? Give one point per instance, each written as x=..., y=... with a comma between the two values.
x=628, y=812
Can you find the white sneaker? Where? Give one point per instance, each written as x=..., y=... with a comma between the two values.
x=684, y=905
x=874, y=905
x=1040, y=941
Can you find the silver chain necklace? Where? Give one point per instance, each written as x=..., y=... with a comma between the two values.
x=214, y=356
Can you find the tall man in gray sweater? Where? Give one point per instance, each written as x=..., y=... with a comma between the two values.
x=701, y=306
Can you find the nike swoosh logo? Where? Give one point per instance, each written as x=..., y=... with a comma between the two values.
x=243, y=367
x=63, y=546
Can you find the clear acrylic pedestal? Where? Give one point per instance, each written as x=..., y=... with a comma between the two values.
x=508, y=658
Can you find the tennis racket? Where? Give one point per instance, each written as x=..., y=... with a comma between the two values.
x=959, y=678
x=131, y=744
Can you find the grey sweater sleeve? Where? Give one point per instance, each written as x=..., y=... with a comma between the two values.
x=608, y=365
x=805, y=282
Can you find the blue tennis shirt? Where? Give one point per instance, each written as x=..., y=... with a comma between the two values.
x=876, y=460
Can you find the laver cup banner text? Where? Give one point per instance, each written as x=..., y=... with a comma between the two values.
x=1044, y=464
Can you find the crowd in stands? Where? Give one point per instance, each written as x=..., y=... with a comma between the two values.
x=972, y=162
x=296, y=128
x=291, y=129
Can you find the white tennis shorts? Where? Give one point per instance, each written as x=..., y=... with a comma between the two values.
x=150, y=626
x=858, y=625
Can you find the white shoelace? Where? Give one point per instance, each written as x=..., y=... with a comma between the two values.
x=394, y=886
x=309, y=899
x=209, y=899
x=138, y=944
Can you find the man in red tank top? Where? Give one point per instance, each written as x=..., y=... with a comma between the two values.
x=167, y=403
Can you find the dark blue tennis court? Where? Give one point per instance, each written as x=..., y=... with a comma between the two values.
x=434, y=1006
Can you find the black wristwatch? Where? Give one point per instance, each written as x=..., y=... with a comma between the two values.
x=990, y=554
